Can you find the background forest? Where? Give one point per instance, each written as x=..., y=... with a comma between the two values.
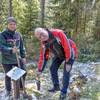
x=79, y=18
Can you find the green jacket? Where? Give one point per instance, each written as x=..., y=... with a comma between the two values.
x=7, y=39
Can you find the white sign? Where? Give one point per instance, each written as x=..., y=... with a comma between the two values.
x=16, y=73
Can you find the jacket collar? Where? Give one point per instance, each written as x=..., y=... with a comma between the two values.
x=10, y=32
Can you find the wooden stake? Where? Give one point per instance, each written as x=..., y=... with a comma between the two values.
x=16, y=92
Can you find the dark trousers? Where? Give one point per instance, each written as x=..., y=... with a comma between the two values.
x=54, y=73
x=7, y=68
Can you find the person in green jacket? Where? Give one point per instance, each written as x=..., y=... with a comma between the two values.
x=10, y=43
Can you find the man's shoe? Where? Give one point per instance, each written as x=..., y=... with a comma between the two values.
x=62, y=96
x=54, y=89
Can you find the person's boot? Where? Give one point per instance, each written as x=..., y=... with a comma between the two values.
x=54, y=89
x=62, y=96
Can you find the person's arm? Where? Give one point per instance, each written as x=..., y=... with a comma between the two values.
x=43, y=59
x=75, y=48
x=3, y=48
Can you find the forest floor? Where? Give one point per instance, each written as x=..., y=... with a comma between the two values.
x=89, y=89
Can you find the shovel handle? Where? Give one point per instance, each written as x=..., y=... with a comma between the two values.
x=22, y=80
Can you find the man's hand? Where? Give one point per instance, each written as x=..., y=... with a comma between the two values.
x=14, y=49
x=24, y=60
x=38, y=74
x=0, y=65
x=68, y=67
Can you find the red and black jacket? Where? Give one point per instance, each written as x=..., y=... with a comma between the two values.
x=58, y=44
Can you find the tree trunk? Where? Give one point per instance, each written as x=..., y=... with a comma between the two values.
x=0, y=12
x=97, y=26
x=42, y=16
x=85, y=17
x=10, y=8
x=77, y=18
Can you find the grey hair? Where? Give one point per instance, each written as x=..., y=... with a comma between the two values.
x=40, y=30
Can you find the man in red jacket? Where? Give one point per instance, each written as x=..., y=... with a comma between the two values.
x=55, y=42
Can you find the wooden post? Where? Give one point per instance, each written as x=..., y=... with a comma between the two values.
x=16, y=91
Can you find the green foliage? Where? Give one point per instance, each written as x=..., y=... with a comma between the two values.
x=91, y=91
x=32, y=48
x=63, y=14
x=90, y=53
x=4, y=14
x=73, y=16
x=97, y=25
x=26, y=13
